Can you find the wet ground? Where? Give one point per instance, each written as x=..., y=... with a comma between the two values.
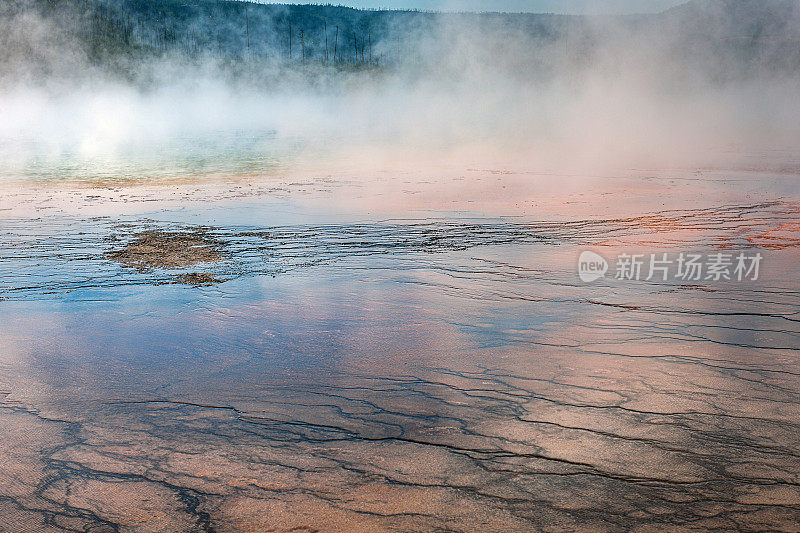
x=408, y=351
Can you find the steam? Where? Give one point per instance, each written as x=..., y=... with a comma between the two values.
x=579, y=93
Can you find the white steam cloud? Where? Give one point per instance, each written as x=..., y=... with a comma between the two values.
x=708, y=84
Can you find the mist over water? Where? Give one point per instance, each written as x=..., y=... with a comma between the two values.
x=557, y=93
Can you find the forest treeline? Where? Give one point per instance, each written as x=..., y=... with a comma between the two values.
x=57, y=35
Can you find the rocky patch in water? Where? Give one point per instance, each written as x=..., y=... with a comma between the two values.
x=170, y=250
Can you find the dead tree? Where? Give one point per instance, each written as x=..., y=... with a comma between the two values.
x=247, y=28
x=303, y=45
x=336, y=44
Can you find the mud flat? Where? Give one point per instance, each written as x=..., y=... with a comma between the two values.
x=170, y=251
x=159, y=249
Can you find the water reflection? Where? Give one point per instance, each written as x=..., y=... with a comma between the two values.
x=205, y=154
x=413, y=375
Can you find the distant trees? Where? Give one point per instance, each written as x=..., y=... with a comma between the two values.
x=228, y=29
